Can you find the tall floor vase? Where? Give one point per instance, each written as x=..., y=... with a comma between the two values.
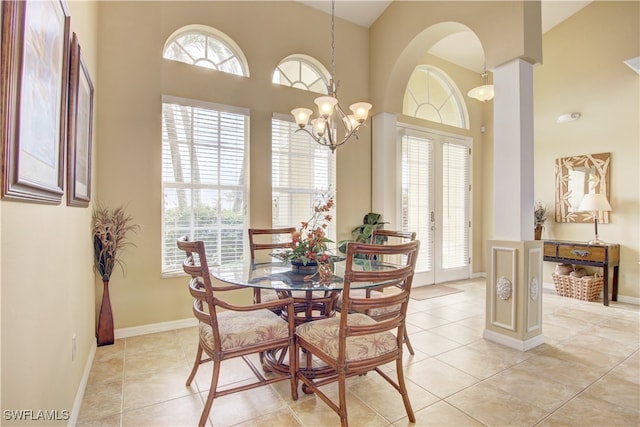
x=105, y=320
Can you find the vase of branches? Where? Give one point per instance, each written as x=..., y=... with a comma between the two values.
x=109, y=228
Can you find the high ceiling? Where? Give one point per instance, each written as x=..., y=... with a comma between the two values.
x=463, y=49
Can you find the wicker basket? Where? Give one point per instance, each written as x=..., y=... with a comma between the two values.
x=587, y=288
x=563, y=283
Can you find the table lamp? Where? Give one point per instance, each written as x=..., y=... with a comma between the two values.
x=595, y=203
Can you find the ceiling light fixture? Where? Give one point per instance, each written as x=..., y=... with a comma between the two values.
x=482, y=93
x=329, y=110
x=568, y=117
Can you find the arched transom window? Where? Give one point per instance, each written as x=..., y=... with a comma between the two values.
x=432, y=95
x=206, y=47
x=302, y=72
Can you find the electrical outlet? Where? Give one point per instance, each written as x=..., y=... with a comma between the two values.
x=73, y=347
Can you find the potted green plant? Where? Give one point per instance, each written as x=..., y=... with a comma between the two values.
x=362, y=233
x=109, y=230
x=539, y=218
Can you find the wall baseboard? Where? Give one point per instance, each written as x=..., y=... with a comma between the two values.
x=155, y=327
x=82, y=387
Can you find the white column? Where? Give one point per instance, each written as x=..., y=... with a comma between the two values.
x=514, y=280
x=513, y=151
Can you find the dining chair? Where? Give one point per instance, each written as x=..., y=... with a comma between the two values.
x=268, y=239
x=229, y=330
x=353, y=343
x=382, y=313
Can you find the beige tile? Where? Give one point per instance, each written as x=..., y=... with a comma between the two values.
x=423, y=321
x=440, y=414
x=618, y=391
x=458, y=333
x=159, y=359
x=183, y=411
x=231, y=371
x=155, y=387
x=109, y=421
x=280, y=418
x=598, y=361
x=243, y=406
x=432, y=344
x=315, y=412
x=561, y=370
x=587, y=411
x=531, y=387
x=449, y=313
x=439, y=378
x=100, y=401
x=151, y=342
x=494, y=407
x=386, y=400
x=504, y=353
x=109, y=368
x=602, y=341
x=473, y=362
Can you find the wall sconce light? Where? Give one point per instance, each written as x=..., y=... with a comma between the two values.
x=568, y=117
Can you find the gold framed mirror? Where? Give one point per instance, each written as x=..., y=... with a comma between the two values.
x=577, y=176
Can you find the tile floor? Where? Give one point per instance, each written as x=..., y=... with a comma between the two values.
x=586, y=374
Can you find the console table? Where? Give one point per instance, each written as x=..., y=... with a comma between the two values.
x=605, y=256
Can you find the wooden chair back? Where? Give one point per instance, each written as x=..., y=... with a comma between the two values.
x=261, y=239
x=401, y=277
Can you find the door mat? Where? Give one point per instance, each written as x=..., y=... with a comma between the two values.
x=432, y=291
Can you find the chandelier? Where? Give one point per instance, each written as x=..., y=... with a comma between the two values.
x=322, y=128
x=482, y=93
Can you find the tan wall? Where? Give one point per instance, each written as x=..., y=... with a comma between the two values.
x=47, y=285
x=135, y=76
x=583, y=71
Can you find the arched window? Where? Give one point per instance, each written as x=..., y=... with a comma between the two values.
x=302, y=72
x=206, y=47
x=432, y=95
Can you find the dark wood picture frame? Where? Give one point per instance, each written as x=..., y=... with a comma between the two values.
x=80, y=129
x=34, y=79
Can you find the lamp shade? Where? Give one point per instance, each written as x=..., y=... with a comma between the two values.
x=594, y=202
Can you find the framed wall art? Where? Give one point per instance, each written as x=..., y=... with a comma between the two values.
x=34, y=78
x=80, y=129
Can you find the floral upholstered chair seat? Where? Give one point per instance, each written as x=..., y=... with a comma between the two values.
x=242, y=329
x=375, y=312
x=325, y=333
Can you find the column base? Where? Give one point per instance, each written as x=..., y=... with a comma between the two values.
x=514, y=294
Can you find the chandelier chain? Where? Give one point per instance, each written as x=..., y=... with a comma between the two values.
x=333, y=44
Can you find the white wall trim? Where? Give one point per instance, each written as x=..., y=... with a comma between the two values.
x=513, y=342
x=82, y=387
x=155, y=327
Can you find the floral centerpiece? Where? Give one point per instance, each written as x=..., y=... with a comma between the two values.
x=310, y=243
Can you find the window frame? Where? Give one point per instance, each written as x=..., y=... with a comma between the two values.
x=169, y=269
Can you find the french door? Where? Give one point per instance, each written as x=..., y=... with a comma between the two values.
x=436, y=195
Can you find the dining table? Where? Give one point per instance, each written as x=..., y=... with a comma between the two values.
x=314, y=299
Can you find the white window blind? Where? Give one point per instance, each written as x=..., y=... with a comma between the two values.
x=455, y=202
x=302, y=171
x=204, y=180
x=417, y=191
